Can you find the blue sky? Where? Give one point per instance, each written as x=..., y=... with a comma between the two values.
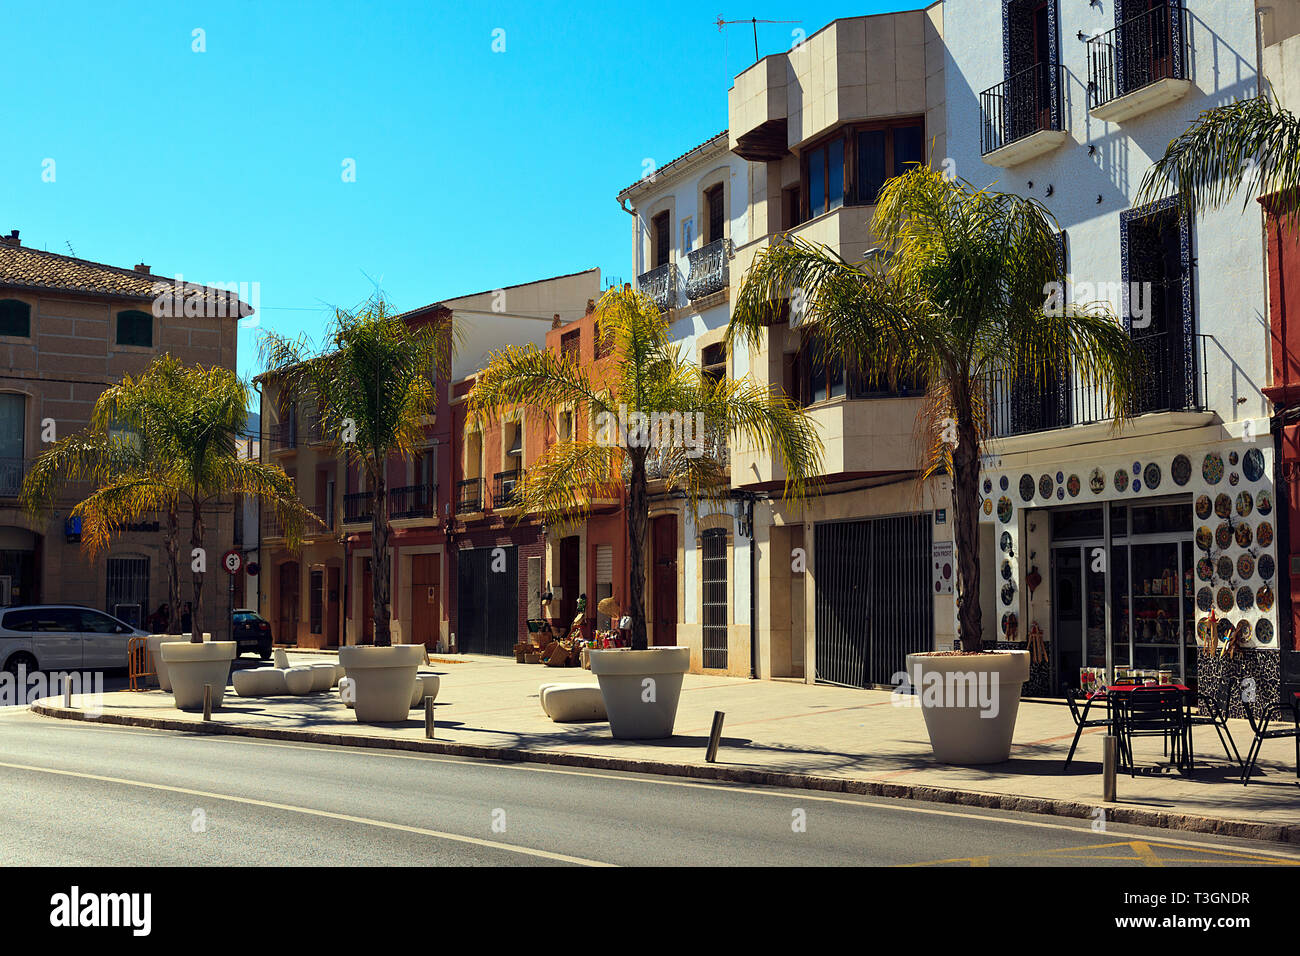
x=475, y=169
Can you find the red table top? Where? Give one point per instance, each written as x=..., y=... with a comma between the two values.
x=1131, y=688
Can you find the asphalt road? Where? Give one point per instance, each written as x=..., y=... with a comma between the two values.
x=77, y=795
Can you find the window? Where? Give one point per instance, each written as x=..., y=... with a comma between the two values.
x=316, y=600
x=714, y=361
x=564, y=428
x=128, y=588
x=12, y=415
x=714, y=598
x=717, y=219
x=826, y=177
x=135, y=328
x=853, y=165
x=571, y=346
x=15, y=318
x=883, y=153
x=604, y=581
x=93, y=622
x=791, y=208
x=820, y=379
x=661, y=240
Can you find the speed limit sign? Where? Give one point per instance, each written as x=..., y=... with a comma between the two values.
x=232, y=561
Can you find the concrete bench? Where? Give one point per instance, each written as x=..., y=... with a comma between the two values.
x=426, y=685
x=577, y=702
x=300, y=680
x=260, y=682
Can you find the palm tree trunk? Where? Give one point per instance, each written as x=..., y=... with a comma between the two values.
x=965, y=509
x=638, y=519
x=196, y=541
x=172, y=543
x=379, y=578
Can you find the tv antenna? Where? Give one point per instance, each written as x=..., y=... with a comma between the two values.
x=753, y=21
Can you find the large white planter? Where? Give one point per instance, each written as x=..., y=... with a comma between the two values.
x=384, y=679
x=641, y=689
x=969, y=702
x=151, y=644
x=191, y=666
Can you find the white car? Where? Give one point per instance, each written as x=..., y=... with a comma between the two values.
x=48, y=637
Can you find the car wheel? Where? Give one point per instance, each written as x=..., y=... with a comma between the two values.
x=265, y=653
x=21, y=659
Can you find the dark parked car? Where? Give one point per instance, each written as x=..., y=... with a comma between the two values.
x=252, y=632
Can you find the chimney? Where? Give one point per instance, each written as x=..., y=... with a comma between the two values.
x=142, y=268
x=11, y=239
x=555, y=321
x=591, y=306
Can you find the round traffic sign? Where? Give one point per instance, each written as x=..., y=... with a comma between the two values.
x=232, y=561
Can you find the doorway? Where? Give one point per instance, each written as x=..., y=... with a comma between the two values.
x=332, y=608
x=1079, y=600
x=664, y=586
x=288, y=603
x=570, y=578
x=425, y=599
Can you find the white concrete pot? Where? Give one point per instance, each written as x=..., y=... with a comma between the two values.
x=969, y=702
x=191, y=666
x=641, y=689
x=384, y=678
x=159, y=665
x=426, y=685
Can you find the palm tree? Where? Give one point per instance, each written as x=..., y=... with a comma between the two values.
x=956, y=295
x=1253, y=141
x=652, y=378
x=373, y=384
x=165, y=442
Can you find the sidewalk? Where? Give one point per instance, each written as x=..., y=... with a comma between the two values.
x=779, y=733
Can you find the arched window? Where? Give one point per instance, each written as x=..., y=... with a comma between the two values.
x=15, y=318
x=135, y=328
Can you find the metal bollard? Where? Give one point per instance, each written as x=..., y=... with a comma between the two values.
x=715, y=735
x=67, y=691
x=428, y=718
x=207, y=701
x=1109, y=761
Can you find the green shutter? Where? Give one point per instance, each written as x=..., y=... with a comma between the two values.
x=135, y=328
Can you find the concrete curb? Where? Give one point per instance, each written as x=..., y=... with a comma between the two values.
x=1115, y=813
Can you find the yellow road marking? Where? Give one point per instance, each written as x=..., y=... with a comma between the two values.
x=1144, y=851
x=1147, y=855
x=311, y=811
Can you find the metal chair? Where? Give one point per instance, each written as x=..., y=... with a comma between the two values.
x=1214, y=712
x=1259, y=725
x=1155, y=712
x=1081, y=720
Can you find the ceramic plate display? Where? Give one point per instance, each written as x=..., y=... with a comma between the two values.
x=1204, y=506
x=1009, y=592
x=1003, y=483
x=1060, y=477
x=1073, y=485
x=1203, y=631
x=1121, y=479
x=1004, y=542
x=1204, y=538
x=1045, y=486
x=1212, y=468
x=1181, y=470
x=1097, y=481
x=1204, y=569
x=1245, y=566
x=1242, y=631
x=988, y=486
x=1264, y=502
x=1004, y=509
x=1225, y=629
x=1010, y=623
x=1223, y=535
x=1264, y=632
x=1245, y=503
x=1264, y=598
x=1253, y=465
x=1225, y=567
x=1223, y=598
x=1245, y=598
x=1137, y=484
x=1026, y=487
x=1232, y=459
x=1060, y=494
x=1006, y=570
x=1233, y=479
x=1223, y=506
x=1266, y=567
x=988, y=506
x=1265, y=534
x=1151, y=475
x=1204, y=599
x=1243, y=536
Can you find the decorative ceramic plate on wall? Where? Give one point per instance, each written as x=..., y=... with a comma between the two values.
x=1264, y=598
x=1225, y=567
x=1223, y=598
x=1223, y=535
x=1121, y=479
x=1204, y=506
x=1245, y=598
x=1225, y=629
x=1045, y=486
x=1265, y=534
x=1264, y=502
x=1204, y=538
x=1245, y=503
x=1004, y=542
x=1181, y=470
x=1008, y=592
x=1003, y=483
x=988, y=486
x=1223, y=506
x=1151, y=475
x=1245, y=566
x=1004, y=509
x=1072, y=485
x=1212, y=468
x=1253, y=465
x=1232, y=459
x=1026, y=487
x=1006, y=570
x=1233, y=479
x=1204, y=569
x=1242, y=631
x=1097, y=481
x=1266, y=566
x=1244, y=535
x=1203, y=631
x=987, y=506
x=1264, y=631
x=1205, y=599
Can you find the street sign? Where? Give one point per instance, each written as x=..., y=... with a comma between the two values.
x=232, y=561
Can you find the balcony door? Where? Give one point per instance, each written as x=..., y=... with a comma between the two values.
x=11, y=443
x=1156, y=270
x=664, y=580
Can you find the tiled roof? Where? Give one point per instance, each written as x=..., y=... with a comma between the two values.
x=668, y=165
x=22, y=267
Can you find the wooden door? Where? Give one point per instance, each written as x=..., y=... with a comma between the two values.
x=332, y=607
x=425, y=599
x=663, y=580
x=289, y=597
x=570, y=580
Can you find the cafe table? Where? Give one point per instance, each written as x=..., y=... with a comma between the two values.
x=1119, y=700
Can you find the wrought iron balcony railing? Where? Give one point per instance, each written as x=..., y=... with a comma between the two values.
x=413, y=501
x=326, y=515
x=469, y=496
x=284, y=435
x=1174, y=380
x=504, y=484
x=661, y=285
x=357, y=507
x=12, y=472
x=1151, y=46
x=1025, y=104
x=709, y=269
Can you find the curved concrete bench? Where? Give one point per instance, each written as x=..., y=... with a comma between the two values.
x=322, y=677
x=260, y=682
x=580, y=702
x=281, y=658
x=299, y=680
x=339, y=673
x=426, y=685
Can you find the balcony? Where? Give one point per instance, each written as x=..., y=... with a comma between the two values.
x=504, y=484
x=661, y=285
x=1021, y=118
x=326, y=515
x=708, y=269
x=1174, y=381
x=659, y=459
x=356, y=507
x=12, y=472
x=1138, y=66
x=469, y=496
x=284, y=436
x=272, y=529
x=413, y=501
